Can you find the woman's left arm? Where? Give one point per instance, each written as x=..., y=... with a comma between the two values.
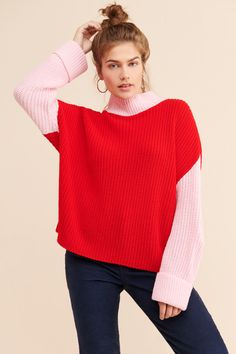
x=184, y=248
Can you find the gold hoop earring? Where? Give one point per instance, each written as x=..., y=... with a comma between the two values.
x=99, y=89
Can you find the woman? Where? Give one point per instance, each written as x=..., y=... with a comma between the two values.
x=129, y=191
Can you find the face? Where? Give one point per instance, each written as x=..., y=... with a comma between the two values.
x=120, y=65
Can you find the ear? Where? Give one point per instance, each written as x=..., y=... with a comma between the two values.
x=99, y=73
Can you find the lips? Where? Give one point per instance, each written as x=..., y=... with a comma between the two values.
x=125, y=85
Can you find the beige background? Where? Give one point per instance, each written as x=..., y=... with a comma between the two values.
x=193, y=52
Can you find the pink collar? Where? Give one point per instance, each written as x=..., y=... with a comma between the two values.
x=135, y=104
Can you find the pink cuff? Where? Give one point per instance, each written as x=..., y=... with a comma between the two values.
x=73, y=58
x=172, y=290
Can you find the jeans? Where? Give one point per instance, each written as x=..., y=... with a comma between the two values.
x=94, y=290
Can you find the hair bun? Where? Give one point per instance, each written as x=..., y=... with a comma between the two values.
x=115, y=13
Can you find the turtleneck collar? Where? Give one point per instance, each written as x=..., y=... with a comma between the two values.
x=132, y=105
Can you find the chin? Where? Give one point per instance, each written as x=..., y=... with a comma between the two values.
x=127, y=93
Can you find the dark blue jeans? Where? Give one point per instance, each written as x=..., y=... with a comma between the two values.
x=94, y=289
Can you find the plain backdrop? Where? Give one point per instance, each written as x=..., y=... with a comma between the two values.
x=193, y=55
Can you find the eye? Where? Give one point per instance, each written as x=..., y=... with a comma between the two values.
x=134, y=62
x=111, y=65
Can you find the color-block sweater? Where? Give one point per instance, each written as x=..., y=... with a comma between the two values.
x=129, y=176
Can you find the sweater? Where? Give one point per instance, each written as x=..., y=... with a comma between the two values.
x=131, y=196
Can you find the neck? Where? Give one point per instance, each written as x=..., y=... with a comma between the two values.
x=132, y=105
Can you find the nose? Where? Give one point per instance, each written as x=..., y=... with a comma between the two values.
x=124, y=75
x=124, y=72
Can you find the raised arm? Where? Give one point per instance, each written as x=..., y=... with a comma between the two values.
x=37, y=92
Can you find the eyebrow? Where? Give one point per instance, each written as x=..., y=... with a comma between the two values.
x=117, y=61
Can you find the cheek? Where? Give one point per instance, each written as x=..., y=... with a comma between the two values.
x=139, y=75
x=111, y=78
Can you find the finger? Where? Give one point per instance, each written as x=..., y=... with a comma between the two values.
x=91, y=28
x=94, y=24
x=175, y=311
x=178, y=311
x=169, y=310
x=162, y=310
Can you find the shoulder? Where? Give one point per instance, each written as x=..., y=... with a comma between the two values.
x=180, y=103
x=181, y=108
x=177, y=104
x=75, y=108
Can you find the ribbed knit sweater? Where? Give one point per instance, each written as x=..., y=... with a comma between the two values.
x=129, y=176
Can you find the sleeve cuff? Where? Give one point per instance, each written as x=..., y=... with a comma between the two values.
x=172, y=290
x=73, y=58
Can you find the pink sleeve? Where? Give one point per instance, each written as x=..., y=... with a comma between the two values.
x=36, y=93
x=184, y=248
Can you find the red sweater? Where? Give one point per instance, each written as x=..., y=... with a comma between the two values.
x=117, y=179
x=37, y=94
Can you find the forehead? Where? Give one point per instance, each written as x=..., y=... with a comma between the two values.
x=122, y=52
